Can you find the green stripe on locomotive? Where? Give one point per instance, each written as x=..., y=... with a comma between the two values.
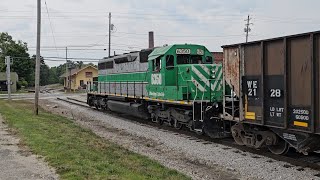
x=184, y=72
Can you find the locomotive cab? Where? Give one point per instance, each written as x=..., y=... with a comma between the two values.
x=184, y=73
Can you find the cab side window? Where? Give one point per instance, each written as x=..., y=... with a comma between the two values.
x=157, y=64
x=169, y=62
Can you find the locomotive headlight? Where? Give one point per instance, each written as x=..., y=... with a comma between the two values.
x=213, y=75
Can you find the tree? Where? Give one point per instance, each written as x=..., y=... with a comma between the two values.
x=44, y=74
x=22, y=63
x=79, y=64
x=91, y=64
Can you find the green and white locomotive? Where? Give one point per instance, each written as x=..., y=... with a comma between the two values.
x=177, y=84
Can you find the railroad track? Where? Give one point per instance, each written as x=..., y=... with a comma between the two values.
x=292, y=158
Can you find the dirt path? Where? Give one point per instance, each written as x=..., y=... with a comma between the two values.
x=16, y=162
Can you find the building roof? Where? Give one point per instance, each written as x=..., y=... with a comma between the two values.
x=3, y=75
x=76, y=71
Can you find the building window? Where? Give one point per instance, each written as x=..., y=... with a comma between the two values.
x=88, y=74
x=81, y=83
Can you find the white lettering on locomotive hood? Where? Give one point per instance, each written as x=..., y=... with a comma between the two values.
x=156, y=79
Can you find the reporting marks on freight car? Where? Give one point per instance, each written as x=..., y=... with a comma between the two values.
x=277, y=81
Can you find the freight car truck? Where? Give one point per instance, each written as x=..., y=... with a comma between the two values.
x=277, y=83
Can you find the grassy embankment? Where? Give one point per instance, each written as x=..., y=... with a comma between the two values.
x=77, y=153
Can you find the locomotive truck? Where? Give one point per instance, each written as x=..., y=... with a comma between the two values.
x=265, y=94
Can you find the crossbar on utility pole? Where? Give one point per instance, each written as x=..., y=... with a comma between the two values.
x=8, y=63
x=37, y=73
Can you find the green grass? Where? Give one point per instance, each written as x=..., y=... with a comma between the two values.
x=77, y=153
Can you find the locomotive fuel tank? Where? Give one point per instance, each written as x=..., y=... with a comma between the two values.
x=130, y=108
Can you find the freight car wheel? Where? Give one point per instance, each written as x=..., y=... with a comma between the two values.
x=236, y=131
x=281, y=148
x=161, y=121
x=178, y=125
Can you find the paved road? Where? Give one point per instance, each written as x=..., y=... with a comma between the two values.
x=42, y=95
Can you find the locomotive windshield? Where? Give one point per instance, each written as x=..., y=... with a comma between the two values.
x=193, y=59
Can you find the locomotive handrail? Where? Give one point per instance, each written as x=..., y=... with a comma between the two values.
x=96, y=86
x=193, y=103
x=202, y=107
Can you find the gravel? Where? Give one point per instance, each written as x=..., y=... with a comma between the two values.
x=16, y=162
x=195, y=158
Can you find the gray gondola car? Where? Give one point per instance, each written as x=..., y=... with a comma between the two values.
x=277, y=84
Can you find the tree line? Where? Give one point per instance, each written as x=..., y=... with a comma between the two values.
x=24, y=64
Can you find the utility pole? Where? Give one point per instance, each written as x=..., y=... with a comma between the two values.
x=109, y=33
x=8, y=63
x=70, y=67
x=66, y=69
x=247, y=28
x=37, y=73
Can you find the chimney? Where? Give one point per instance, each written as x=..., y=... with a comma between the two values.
x=151, y=39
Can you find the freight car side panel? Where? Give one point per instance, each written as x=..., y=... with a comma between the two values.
x=231, y=65
x=252, y=83
x=299, y=53
x=274, y=83
x=280, y=81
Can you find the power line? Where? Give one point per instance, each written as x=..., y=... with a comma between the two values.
x=60, y=58
x=142, y=15
x=165, y=14
x=145, y=34
x=63, y=60
x=90, y=45
x=54, y=39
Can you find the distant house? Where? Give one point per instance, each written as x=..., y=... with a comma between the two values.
x=217, y=56
x=80, y=78
x=3, y=81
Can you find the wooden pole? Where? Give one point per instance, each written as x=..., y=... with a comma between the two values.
x=37, y=73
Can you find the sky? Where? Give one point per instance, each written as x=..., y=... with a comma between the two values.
x=82, y=25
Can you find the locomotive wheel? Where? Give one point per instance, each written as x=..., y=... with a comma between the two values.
x=155, y=119
x=161, y=121
x=200, y=133
x=281, y=148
